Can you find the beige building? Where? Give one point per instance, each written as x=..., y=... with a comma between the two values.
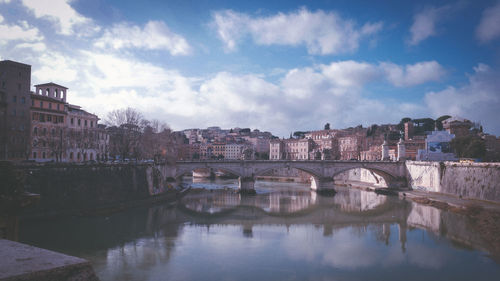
x=49, y=111
x=291, y=149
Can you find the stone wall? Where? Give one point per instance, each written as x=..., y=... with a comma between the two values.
x=466, y=180
x=75, y=187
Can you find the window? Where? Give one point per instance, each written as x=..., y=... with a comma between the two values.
x=85, y=123
x=13, y=112
x=43, y=155
x=71, y=155
x=79, y=122
x=19, y=86
x=92, y=124
x=50, y=105
x=58, y=106
x=34, y=155
x=35, y=131
x=14, y=99
x=41, y=104
x=44, y=131
x=72, y=121
x=53, y=132
x=32, y=102
x=3, y=84
x=49, y=117
x=42, y=117
x=23, y=100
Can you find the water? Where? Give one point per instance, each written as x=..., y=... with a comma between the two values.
x=285, y=232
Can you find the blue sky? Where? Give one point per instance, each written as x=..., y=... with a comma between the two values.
x=274, y=65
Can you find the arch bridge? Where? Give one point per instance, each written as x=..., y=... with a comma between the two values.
x=322, y=171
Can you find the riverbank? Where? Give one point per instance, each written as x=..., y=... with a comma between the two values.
x=30, y=263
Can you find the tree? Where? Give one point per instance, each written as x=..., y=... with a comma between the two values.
x=401, y=125
x=327, y=126
x=439, y=121
x=468, y=147
x=299, y=134
x=126, y=130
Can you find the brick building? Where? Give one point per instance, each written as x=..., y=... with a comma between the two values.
x=15, y=101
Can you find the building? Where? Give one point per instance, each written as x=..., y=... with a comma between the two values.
x=291, y=149
x=276, y=149
x=15, y=101
x=374, y=153
x=83, y=135
x=437, y=147
x=233, y=151
x=49, y=111
x=457, y=126
x=219, y=149
x=350, y=147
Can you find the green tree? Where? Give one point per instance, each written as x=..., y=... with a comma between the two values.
x=468, y=147
x=439, y=121
x=401, y=125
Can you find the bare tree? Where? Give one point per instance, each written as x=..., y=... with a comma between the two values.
x=124, y=116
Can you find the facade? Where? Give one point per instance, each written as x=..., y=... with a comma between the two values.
x=291, y=149
x=83, y=135
x=233, y=151
x=15, y=101
x=49, y=111
x=437, y=147
x=350, y=147
x=457, y=126
x=276, y=149
x=373, y=154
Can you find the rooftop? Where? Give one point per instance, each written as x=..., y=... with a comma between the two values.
x=50, y=84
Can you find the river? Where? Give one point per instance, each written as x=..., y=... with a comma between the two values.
x=285, y=232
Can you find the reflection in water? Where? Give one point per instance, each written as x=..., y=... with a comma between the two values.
x=285, y=232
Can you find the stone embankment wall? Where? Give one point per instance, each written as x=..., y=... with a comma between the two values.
x=467, y=180
x=75, y=187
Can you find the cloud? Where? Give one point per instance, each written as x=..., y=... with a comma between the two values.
x=60, y=12
x=424, y=22
x=18, y=32
x=489, y=27
x=411, y=75
x=322, y=33
x=302, y=98
x=479, y=100
x=154, y=36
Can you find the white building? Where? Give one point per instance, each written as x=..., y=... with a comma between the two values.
x=437, y=147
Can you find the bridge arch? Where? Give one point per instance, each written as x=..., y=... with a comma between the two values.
x=186, y=170
x=388, y=177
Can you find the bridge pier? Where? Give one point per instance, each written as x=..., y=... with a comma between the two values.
x=246, y=184
x=322, y=184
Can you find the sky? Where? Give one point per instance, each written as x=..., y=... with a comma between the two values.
x=279, y=66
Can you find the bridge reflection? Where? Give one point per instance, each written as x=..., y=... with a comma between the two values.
x=281, y=201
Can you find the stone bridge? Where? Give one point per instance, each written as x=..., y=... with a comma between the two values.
x=322, y=172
